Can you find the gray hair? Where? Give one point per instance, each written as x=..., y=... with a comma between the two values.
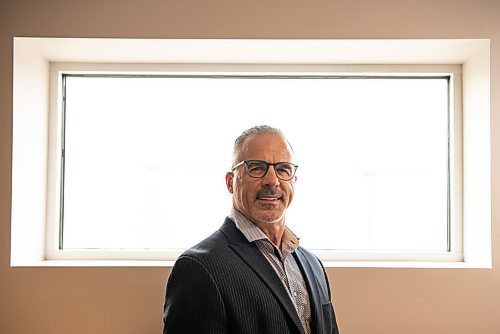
x=256, y=130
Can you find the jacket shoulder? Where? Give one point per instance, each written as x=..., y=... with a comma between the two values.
x=215, y=245
x=212, y=243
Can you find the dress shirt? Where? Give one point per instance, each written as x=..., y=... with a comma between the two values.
x=283, y=263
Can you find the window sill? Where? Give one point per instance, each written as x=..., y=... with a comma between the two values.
x=326, y=264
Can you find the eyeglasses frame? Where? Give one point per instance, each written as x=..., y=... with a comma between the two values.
x=267, y=164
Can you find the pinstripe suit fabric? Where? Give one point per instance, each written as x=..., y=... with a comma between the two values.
x=225, y=285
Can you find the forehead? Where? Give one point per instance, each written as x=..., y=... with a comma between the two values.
x=269, y=147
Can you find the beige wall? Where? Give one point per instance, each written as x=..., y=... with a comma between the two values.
x=129, y=300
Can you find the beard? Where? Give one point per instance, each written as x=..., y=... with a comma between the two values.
x=270, y=218
x=269, y=213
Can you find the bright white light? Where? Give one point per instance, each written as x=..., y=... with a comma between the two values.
x=146, y=159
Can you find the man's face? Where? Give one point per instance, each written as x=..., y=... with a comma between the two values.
x=262, y=200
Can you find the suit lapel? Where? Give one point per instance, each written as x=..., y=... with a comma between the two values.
x=252, y=256
x=312, y=286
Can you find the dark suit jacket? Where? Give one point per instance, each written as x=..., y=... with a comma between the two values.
x=225, y=285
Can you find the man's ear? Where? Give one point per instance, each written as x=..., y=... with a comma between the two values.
x=229, y=181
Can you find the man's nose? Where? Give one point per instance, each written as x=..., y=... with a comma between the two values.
x=270, y=177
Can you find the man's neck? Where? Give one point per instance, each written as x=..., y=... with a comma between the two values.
x=274, y=231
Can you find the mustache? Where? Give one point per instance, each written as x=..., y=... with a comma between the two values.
x=270, y=191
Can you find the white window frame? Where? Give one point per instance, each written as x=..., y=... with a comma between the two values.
x=39, y=63
x=57, y=70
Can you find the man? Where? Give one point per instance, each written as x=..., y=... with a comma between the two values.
x=251, y=276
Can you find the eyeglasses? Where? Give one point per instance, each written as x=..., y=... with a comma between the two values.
x=285, y=171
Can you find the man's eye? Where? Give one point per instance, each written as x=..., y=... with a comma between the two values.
x=256, y=168
x=284, y=171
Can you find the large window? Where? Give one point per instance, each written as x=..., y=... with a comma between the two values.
x=143, y=158
x=120, y=146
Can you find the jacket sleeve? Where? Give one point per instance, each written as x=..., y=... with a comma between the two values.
x=193, y=303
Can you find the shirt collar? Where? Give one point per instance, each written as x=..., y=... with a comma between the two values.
x=252, y=233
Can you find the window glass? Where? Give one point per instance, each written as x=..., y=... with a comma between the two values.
x=145, y=158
